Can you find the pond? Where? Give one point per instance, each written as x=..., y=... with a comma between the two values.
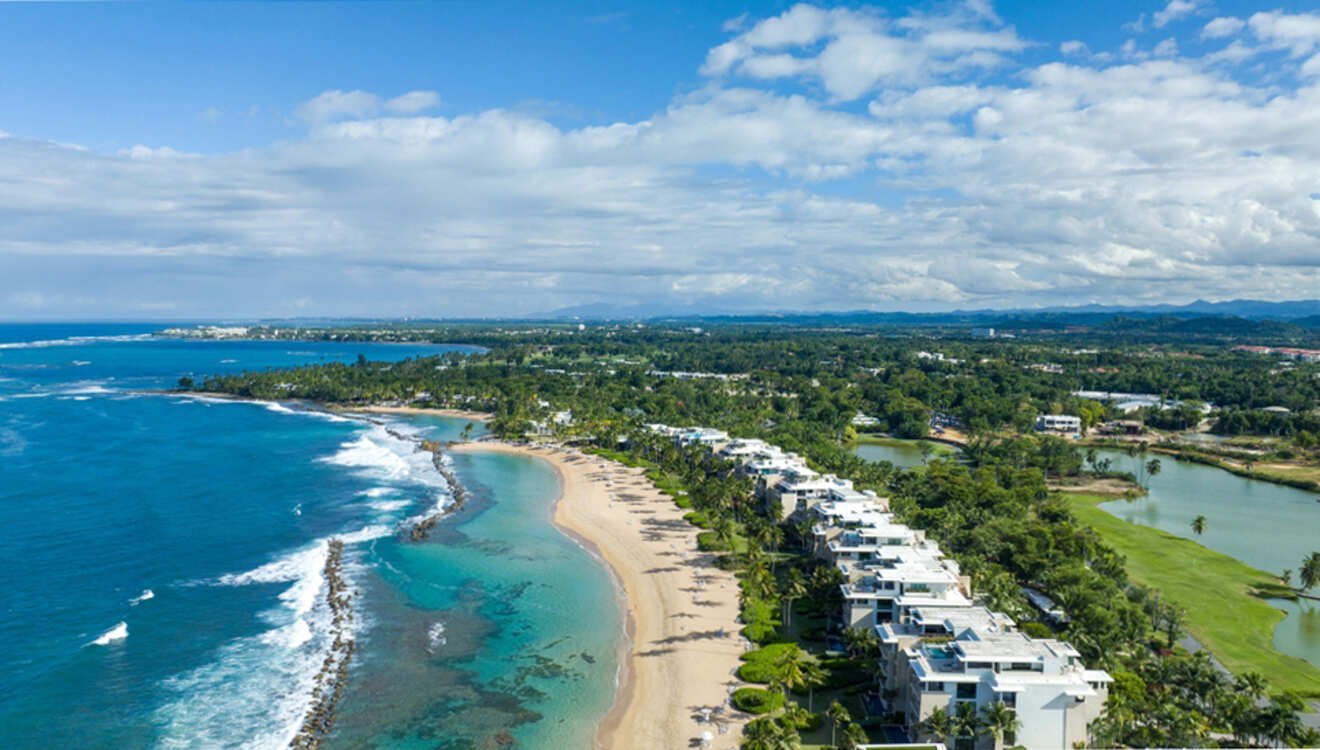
x=1265, y=525
x=901, y=453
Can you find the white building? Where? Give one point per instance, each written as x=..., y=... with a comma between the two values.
x=862, y=420
x=1042, y=681
x=1059, y=423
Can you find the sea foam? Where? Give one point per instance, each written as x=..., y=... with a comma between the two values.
x=117, y=633
x=257, y=692
x=144, y=596
x=74, y=341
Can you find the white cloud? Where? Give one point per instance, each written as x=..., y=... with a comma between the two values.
x=1154, y=179
x=332, y=105
x=852, y=52
x=1297, y=33
x=1166, y=48
x=1073, y=47
x=412, y=102
x=1175, y=10
x=1222, y=27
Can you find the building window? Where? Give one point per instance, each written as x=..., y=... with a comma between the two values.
x=966, y=690
x=935, y=687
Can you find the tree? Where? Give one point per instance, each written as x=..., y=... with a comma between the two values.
x=794, y=588
x=814, y=675
x=1198, y=525
x=938, y=725
x=763, y=734
x=1310, y=573
x=1152, y=468
x=792, y=668
x=837, y=715
x=467, y=432
x=1286, y=577
x=853, y=737
x=1175, y=618
x=1000, y=721
x=966, y=721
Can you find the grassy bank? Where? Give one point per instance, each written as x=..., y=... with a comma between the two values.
x=1223, y=596
x=893, y=442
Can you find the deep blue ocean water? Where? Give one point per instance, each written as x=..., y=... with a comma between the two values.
x=161, y=556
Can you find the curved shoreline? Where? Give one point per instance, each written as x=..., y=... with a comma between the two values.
x=681, y=649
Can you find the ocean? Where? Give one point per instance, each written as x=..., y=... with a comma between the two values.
x=161, y=563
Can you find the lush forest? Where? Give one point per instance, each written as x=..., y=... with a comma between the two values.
x=992, y=512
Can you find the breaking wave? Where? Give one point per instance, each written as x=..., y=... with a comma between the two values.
x=117, y=633
x=75, y=341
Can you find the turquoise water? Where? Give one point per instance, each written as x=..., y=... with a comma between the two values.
x=1265, y=525
x=161, y=556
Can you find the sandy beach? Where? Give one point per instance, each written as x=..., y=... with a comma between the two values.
x=476, y=416
x=683, y=645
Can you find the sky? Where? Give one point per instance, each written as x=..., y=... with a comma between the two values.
x=487, y=159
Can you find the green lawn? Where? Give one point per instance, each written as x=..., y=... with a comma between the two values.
x=1225, y=611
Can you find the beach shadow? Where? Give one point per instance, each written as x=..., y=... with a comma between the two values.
x=656, y=652
x=696, y=635
x=670, y=569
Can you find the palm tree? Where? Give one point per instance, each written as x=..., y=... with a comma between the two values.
x=853, y=737
x=792, y=668
x=1286, y=577
x=938, y=725
x=762, y=734
x=1251, y=684
x=814, y=675
x=838, y=715
x=795, y=587
x=1152, y=470
x=1000, y=721
x=966, y=721
x=1310, y=574
x=1198, y=525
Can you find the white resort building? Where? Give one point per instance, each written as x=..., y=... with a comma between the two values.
x=938, y=647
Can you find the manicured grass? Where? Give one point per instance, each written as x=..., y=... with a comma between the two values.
x=1222, y=595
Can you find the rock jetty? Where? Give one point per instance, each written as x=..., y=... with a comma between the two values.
x=333, y=677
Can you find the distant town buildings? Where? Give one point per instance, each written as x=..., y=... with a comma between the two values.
x=1287, y=352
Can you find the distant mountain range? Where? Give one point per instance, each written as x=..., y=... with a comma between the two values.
x=1301, y=313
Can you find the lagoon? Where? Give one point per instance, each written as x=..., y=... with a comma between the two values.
x=1265, y=525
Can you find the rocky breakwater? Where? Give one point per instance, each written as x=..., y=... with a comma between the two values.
x=333, y=677
x=422, y=529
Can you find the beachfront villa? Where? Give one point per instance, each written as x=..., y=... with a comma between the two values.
x=1042, y=680
x=939, y=648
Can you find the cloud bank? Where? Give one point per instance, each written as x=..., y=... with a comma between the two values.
x=828, y=159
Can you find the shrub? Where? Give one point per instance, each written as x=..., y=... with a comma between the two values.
x=756, y=671
x=757, y=700
x=1037, y=630
x=683, y=501
x=769, y=654
x=708, y=541
x=697, y=518
x=812, y=723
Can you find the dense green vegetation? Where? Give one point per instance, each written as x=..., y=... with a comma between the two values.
x=826, y=377
x=799, y=389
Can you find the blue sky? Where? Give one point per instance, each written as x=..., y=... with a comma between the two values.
x=234, y=159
